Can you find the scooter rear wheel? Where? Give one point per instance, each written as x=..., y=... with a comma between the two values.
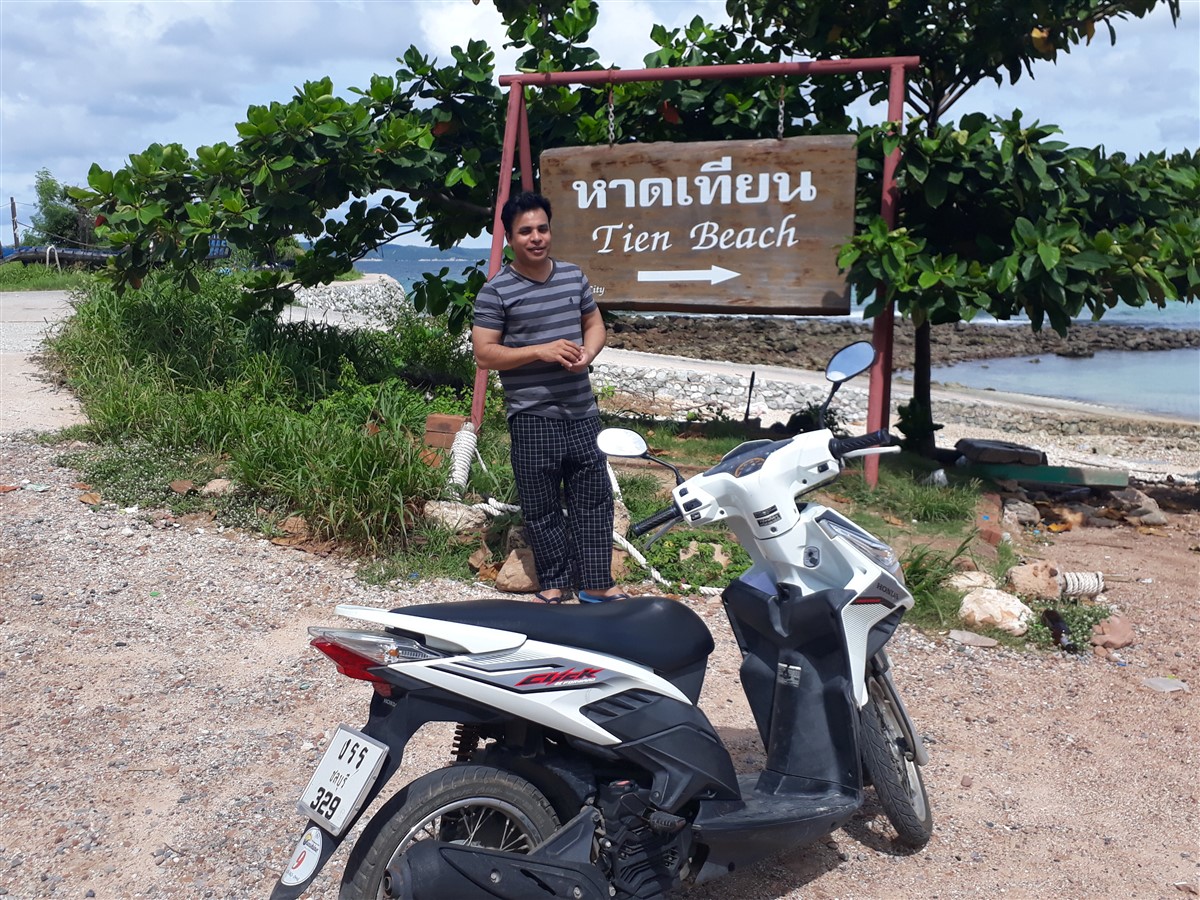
x=477, y=806
x=895, y=774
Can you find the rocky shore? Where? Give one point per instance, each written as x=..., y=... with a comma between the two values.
x=808, y=343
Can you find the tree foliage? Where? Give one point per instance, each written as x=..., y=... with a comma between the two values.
x=58, y=220
x=997, y=216
x=960, y=42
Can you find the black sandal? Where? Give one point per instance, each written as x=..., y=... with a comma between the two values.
x=588, y=597
x=539, y=597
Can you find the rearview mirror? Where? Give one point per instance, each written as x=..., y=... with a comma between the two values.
x=851, y=360
x=621, y=442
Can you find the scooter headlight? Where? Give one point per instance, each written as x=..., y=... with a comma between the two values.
x=867, y=544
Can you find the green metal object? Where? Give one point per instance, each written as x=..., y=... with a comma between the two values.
x=1072, y=475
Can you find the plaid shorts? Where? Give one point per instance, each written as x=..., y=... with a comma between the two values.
x=557, y=460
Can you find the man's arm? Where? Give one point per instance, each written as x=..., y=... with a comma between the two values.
x=491, y=354
x=594, y=337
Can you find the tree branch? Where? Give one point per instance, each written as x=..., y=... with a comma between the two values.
x=441, y=198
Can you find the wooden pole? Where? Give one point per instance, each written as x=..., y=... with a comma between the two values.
x=12, y=201
x=879, y=400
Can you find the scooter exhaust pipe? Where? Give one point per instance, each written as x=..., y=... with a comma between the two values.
x=434, y=870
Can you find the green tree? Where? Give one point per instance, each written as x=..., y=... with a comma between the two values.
x=419, y=151
x=961, y=43
x=59, y=220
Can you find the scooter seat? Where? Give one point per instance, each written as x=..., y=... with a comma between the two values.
x=653, y=631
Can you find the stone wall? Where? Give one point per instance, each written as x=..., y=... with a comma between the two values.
x=682, y=394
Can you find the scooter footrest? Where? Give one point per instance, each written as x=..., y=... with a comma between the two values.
x=665, y=823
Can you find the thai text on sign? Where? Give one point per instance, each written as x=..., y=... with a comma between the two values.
x=723, y=226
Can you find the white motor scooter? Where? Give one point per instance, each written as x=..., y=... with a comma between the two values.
x=583, y=766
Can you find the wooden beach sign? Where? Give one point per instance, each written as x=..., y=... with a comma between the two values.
x=719, y=227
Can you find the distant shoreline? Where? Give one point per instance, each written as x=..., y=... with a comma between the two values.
x=808, y=344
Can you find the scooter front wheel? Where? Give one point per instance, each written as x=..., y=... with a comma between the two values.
x=477, y=806
x=893, y=770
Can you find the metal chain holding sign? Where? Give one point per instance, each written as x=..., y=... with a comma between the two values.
x=779, y=126
x=612, y=128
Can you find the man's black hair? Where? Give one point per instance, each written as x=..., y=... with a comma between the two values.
x=522, y=203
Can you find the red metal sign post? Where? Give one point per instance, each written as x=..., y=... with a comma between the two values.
x=516, y=142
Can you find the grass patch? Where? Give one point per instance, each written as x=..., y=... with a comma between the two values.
x=15, y=276
x=140, y=474
x=926, y=570
x=430, y=552
x=680, y=445
x=327, y=422
x=900, y=493
x=1080, y=619
x=642, y=495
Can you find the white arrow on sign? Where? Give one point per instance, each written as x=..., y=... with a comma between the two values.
x=713, y=275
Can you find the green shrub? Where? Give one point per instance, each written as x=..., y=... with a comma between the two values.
x=320, y=419
x=701, y=569
x=925, y=573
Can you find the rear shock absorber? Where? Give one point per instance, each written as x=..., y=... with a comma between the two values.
x=466, y=741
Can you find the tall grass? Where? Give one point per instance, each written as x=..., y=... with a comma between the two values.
x=15, y=276
x=328, y=422
x=899, y=491
x=926, y=571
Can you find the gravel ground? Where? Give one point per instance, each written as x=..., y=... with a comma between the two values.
x=161, y=711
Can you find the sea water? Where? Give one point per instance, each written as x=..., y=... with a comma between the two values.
x=1155, y=382
x=1161, y=382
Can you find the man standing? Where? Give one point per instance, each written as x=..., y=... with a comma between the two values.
x=537, y=324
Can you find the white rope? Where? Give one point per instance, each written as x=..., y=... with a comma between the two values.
x=1081, y=584
x=612, y=479
x=494, y=507
x=461, y=453
x=655, y=575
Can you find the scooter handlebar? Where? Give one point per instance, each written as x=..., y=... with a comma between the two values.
x=839, y=447
x=662, y=517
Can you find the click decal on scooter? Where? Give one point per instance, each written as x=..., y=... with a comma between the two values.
x=584, y=768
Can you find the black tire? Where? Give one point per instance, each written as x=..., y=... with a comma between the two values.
x=892, y=770
x=501, y=811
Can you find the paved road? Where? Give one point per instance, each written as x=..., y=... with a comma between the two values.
x=27, y=399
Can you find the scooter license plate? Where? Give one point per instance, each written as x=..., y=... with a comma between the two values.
x=339, y=787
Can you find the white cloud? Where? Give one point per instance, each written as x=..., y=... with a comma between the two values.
x=84, y=82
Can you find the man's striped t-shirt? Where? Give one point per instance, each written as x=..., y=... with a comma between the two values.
x=529, y=312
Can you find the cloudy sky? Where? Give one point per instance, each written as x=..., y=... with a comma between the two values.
x=84, y=82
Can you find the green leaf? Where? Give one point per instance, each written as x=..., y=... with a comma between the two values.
x=935, y=191
x=1048, y=254
x=100, y=180
x=150, y=213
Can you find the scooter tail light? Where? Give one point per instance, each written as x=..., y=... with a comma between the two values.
x=355, y=653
